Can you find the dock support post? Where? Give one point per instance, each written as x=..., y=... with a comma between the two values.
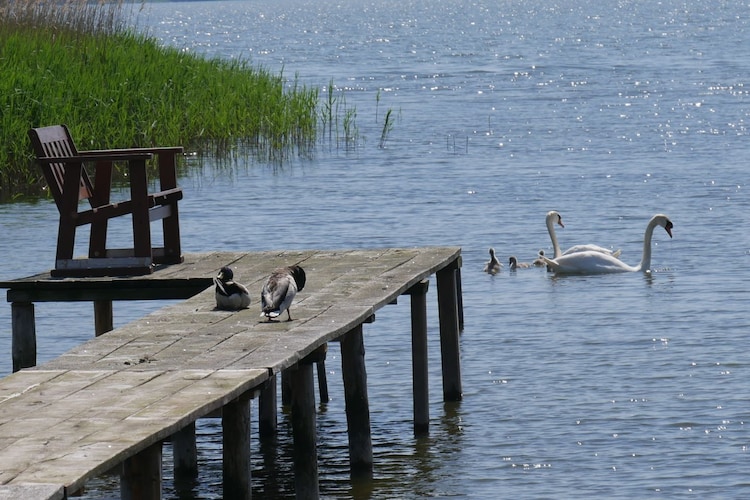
x=267, y=409
x=460, y=297
x=103, y=322
x=24, y=335
x=320, y=369
x=185, y=454
x=447, y=294
x=286, y=388
x=236, y=448
x=140, y=478
x=318, y=356
x=357, y=403
x=420, y=385
x=304, y=432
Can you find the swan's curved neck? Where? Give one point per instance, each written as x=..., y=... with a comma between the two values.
x=555, y=245
x=645, y=264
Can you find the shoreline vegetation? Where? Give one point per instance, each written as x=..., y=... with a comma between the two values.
x=77, y=63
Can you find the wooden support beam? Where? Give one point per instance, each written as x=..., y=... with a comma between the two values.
x=24, y=335
x=320, y=369
x=103, y=318
x=447, y=294
x=420, y=383
x=267, y=409
x=140, y=478
x=357, y=404
x=236, y=448
x=304, y=432
x=459, y=297
x=185, y=454
x=286, y=388
x=318, y=356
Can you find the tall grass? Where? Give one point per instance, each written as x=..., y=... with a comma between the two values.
x=74, y=63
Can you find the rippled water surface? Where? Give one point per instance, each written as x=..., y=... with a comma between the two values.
x=618, y=386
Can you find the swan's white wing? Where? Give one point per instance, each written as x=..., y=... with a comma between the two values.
x=592, y=248
x=587, y=262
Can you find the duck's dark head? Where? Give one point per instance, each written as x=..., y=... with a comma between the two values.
x=225, y=274
x=299, y=276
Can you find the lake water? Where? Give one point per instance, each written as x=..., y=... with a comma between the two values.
x=617, y=386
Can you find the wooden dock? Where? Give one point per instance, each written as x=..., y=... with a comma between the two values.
x=113, y=400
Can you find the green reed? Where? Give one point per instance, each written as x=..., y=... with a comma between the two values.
x=73, y=63
x=387, y=127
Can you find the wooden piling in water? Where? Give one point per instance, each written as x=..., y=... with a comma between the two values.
x=447, y=292
x=140, y=477
x=304, y=432
x=459, y=296
x=420, y=385
x=267, y=409
x=185, y=452
x=357, y=403
x=236, y=448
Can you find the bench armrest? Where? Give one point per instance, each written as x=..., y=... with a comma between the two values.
x=154, y=150
x=96, y=157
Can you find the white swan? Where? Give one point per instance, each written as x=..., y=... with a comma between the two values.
x=554, y=217
x=591, y=262
x=493, y=266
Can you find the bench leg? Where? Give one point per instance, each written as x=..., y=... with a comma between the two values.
x=98, y=239
x=167, y=161
x=141, y=220
x=171, y=227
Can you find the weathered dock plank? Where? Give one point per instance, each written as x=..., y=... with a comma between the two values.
x=32, y=492
x=77, y=424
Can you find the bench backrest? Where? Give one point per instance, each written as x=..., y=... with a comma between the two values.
x=55, y=142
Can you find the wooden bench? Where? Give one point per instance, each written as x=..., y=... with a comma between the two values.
x=69, y=182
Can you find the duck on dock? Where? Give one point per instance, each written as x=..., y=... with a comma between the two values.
x=279, y=291
x=230, y=295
